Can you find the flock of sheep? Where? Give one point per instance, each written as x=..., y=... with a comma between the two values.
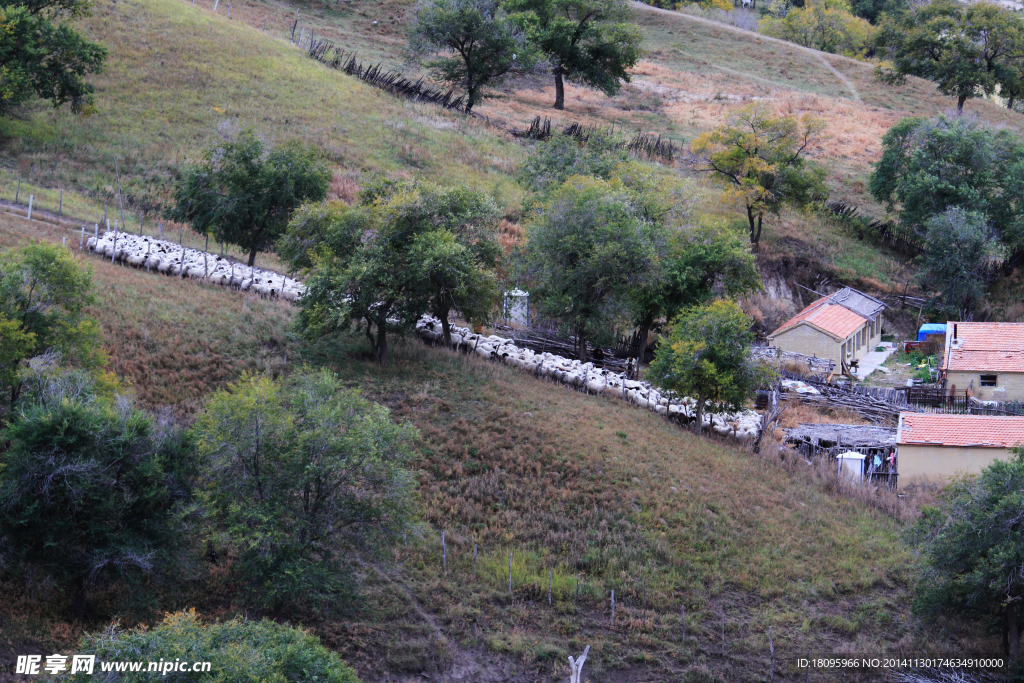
x=173, y=259
x=744, y=425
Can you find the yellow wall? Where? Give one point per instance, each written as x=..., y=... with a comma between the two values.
x=808, y=341
x=1009, y=385
x=942, y=462
x=811, y=342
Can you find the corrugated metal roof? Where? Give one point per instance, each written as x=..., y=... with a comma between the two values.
x=984, y=431
x=995, y=347
x=858, y=302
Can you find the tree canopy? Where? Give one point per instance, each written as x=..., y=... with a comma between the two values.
x=762, y=158
x=407, y=248
x=826, y=25
x=961, y=253
x=44, y=293
x=238, y=651
x=88, y=490
x=966, y=50
x=707, y=355
x=701, y=263
x=243, y=193
x=41, y=55
x=588, y=245
x=930, y=165
x=296, y=473
x=482, y=45
x=592, y=42
x=972, y=549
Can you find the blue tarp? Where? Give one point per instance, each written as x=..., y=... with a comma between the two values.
x=930, y=328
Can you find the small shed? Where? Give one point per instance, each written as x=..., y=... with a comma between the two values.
x=517, y=307
x=939, y=446
x=852, y=462
x=843, y=327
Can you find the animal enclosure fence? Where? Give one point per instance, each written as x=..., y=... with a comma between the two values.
x=894, y=235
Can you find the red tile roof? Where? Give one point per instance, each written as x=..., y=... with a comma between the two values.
x=996, y=347
x=827, y=316
x=960, y=430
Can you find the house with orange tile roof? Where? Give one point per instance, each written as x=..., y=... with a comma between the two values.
x=938, y=446
x=843, y=327
x=985, y=358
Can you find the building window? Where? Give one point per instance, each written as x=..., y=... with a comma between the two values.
x=988, y=380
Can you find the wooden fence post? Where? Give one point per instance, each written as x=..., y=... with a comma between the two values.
x=120, y=202
x=142, y=218
x=30, y=197
x=161, y=230
x=17, y=193
x=81, y=240
x=60, y=206
x=113, y=251
x=215, y=3
x=264, y=22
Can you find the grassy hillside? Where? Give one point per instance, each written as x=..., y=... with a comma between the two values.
x=568, y=483
x=579, y=485
x=177, y=73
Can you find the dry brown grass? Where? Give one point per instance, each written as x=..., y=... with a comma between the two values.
x=174, y=340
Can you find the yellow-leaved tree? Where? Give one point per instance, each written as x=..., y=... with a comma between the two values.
x=762, y=158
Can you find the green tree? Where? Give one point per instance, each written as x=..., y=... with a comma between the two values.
x=88, y=492
x=961, y=252
x=930, y=165
x=762, y=159
x=238, y=651
x=972, y=549
x=42, y=56
x=44, y=293
x=700, y=263
x=556, y=159
x=592, y=42
x=826, y=25
x=298, y=474
x=484, y=46
x=960, y=48
x=707, y=355
x=408, y=248
x=243, y=193
x=587, y=247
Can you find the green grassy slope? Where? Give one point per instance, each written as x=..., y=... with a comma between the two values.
x=583, y=486
x=177, y=73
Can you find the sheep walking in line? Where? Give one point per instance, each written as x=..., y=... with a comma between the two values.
x=171, y=259
x=743, y=425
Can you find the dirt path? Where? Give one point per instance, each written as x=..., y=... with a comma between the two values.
x=817, y=54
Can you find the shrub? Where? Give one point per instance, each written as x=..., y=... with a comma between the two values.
x=88, y=491
x=239, y=651
x=297, y=472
